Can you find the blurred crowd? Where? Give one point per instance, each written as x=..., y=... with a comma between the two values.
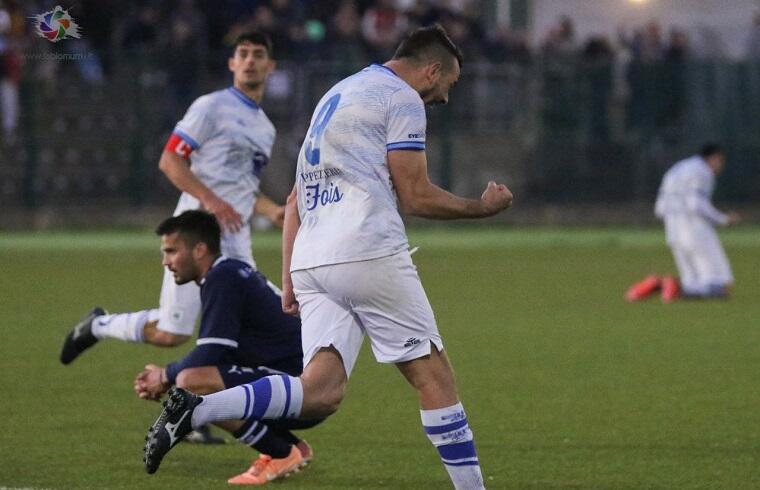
x=345, y=32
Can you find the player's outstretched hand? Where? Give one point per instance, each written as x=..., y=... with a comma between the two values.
x=733, y=218
x=289, y=303
x=496, y=198
x=228, y=218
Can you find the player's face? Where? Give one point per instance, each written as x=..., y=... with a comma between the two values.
x=251, y=65
x=441, y=82
x=719, y=161
x=178, y=257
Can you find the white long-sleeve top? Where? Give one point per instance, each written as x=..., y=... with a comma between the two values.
x=686, y=190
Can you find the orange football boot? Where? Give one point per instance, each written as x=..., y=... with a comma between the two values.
x=670, y=289
x=643, y=289
x=266, y=469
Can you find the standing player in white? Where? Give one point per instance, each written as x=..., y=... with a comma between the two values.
x=346, y=251
x=215, y=157
x=683, y=203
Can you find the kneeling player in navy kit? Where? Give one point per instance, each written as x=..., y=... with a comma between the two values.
x=244, y=336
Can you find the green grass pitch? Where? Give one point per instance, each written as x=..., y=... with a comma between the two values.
x=566, y=385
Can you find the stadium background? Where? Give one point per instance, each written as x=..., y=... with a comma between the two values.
x=566, y=385
x=572, y=112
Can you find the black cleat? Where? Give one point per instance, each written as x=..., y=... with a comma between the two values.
x=80, y=338
x=170, y=428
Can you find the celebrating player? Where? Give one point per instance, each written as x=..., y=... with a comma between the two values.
x=346, y=260
x=215, y=157
x=683, y=203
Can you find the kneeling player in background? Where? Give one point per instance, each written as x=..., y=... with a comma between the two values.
x=683, y=203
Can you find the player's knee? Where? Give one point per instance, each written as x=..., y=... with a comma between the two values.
x=189, y=379
x=323, y=400
x=167, y=339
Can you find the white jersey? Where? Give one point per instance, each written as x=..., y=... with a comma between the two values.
x=232, y=140
x=346, y=200
x=686, y=189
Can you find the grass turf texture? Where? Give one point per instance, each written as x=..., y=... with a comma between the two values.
x=565, y=384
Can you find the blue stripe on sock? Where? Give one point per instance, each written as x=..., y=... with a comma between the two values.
x=458, y=451
x=442, y=429
x=244, y=428
x=464, y=463
x=262, y=395
x=247, y=401
x=286, y=382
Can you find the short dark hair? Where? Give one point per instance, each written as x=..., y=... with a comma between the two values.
x=710, y=149
x=430, y=41
x=253, y=37
x=194, y=226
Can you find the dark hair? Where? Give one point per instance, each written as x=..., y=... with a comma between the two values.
x=253, y=37
x=430, y=41
x=195, y=227
x=710, y=149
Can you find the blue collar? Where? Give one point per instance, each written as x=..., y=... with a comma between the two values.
x=243, y=98
x=378, y=65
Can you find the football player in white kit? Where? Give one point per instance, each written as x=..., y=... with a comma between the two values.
x=215, y=156
x=346, y=261
x=683, y=203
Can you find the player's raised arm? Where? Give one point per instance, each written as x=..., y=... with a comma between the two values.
x=420, y=197
x=177, y=169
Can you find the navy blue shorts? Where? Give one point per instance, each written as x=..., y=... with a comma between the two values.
x=234, y=375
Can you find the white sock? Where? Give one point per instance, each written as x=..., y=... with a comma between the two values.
x=123, y=326
x=272, y=398
x=448, y=430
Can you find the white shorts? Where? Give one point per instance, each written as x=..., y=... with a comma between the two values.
x=699, y=256
x=180, y=306
x=702, y=265
x=382, y=297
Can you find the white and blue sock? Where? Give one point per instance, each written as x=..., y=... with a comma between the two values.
x=123, y=326
x=271, y=398
x=448, y=430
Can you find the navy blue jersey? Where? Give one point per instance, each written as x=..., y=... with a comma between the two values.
x=242, y=323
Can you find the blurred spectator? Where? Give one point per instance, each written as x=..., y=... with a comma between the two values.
x=424, y=13
x=504, y=45
x=753, y=43
x=186, y=51
x=345, y=44
x=560, y=41
x=11, y=33
x=383, y=26
x=646, y=45
x=141, y=30
x=598, y=58
x=678, y=46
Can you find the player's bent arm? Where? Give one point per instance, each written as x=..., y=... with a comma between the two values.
x=177, y=170
x=420, y=197
x=267, y=207
x=697, y=203
x=289, y=231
